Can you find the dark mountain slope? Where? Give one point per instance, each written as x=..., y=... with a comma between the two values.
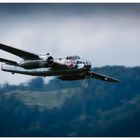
x=69, y=109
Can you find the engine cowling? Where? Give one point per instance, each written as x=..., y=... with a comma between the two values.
x=49, y=60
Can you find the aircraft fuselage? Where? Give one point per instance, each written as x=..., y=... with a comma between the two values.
x=73, y=66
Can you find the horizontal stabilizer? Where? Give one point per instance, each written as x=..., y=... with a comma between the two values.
x=9, y=62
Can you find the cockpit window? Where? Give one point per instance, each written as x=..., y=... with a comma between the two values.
x=68, y=58
x=76, y=57
x=72, y=57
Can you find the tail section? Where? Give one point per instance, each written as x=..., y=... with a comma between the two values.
x=9, y=62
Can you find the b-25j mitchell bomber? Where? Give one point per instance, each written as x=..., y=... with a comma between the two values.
x=69, y=68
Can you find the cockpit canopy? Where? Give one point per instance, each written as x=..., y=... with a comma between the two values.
x=72, y=57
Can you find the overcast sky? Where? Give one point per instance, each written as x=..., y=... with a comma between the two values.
x=105, y=34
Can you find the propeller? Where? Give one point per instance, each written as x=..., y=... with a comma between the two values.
x=87, y=80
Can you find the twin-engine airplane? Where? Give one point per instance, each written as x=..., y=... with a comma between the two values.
x=69, y=68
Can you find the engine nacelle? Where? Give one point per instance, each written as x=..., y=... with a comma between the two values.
x=46, y=61
x=49, y=60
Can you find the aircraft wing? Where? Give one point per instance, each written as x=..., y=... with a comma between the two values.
x=8, y=62
x=23, y=54
x=102, y=77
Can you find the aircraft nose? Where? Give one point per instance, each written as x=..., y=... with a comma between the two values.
x=88, y=67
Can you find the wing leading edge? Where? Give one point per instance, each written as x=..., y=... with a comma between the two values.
x=103, y=77
x=23, y=54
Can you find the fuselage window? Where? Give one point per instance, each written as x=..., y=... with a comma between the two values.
x=80, y=62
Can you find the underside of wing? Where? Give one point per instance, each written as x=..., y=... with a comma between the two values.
x=8, y=62
x=103, y=77
x=23, y=54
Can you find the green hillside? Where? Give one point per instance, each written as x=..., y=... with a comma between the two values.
x=70, y=109
x=43, y=99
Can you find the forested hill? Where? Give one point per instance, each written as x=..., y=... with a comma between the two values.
x=63, y=108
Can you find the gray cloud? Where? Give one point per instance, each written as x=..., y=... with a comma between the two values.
x=105, y=34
